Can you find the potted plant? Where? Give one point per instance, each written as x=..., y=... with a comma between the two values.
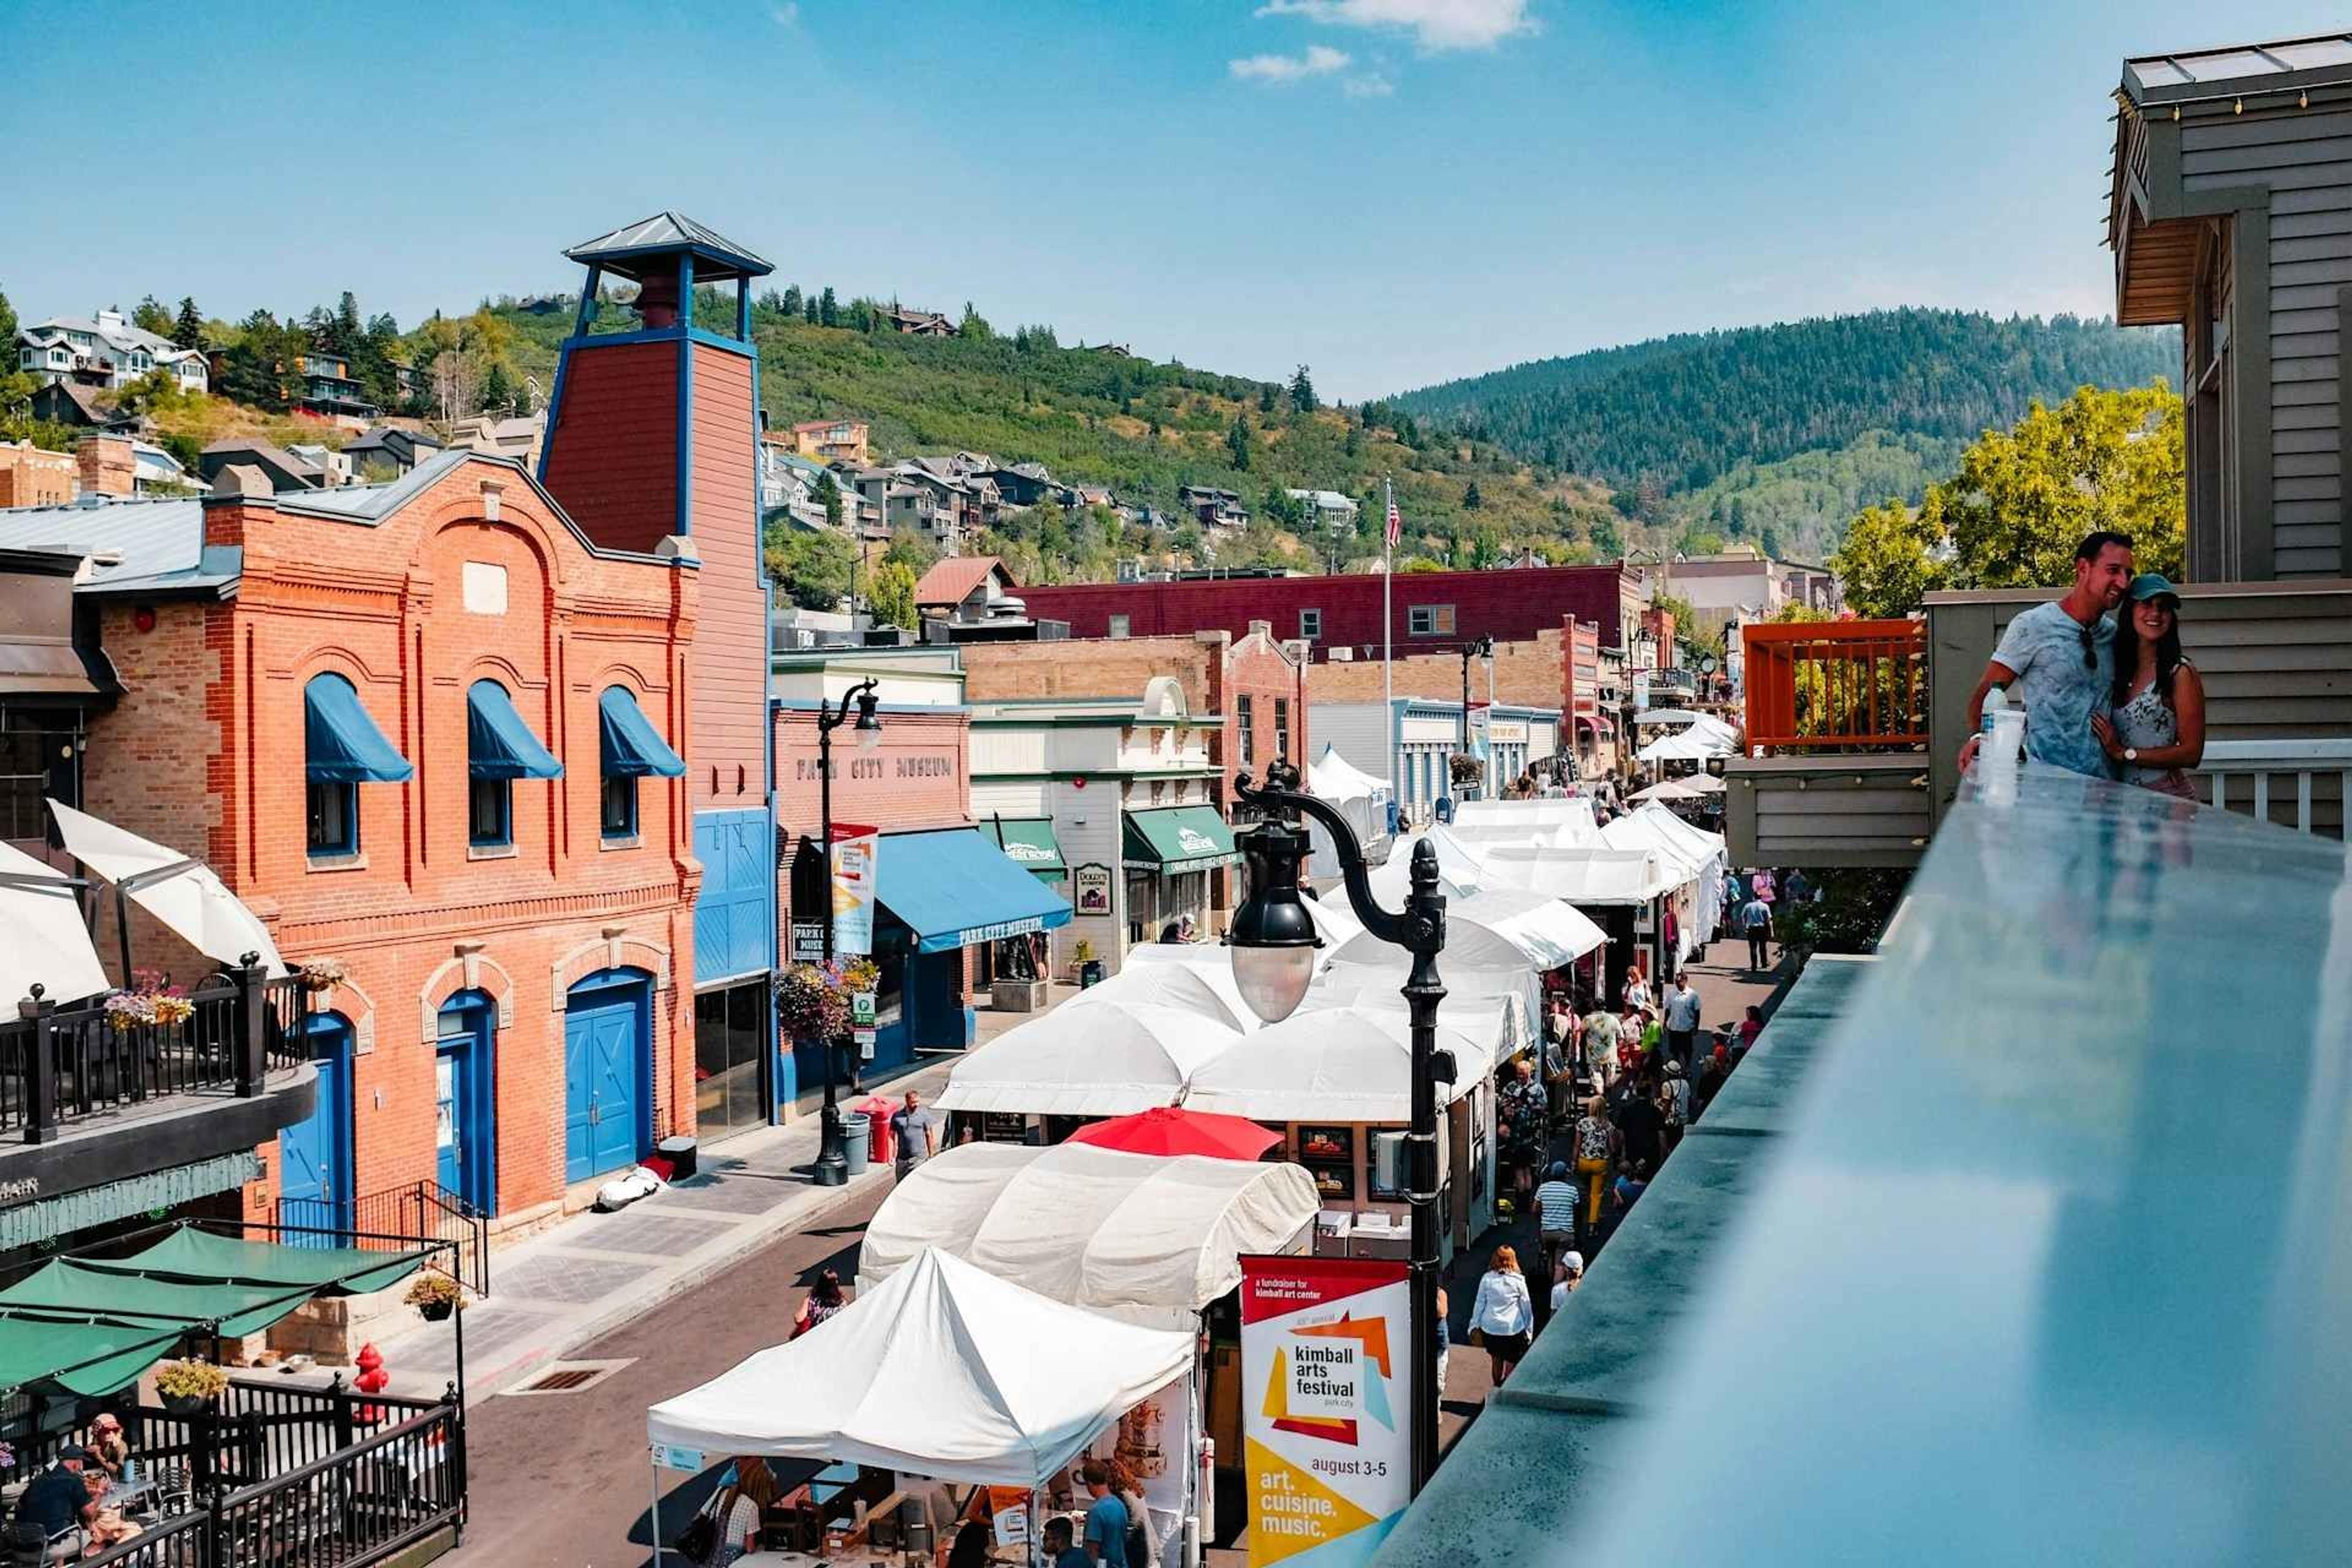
x=434, y=1296
x=149, y=999
x=189, y=1387
x=1090, y=968
x=323, y=974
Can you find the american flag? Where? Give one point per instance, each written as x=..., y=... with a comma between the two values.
x=1396, y=523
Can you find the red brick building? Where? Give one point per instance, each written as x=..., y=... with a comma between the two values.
x=499, y=935
x=1432, y=609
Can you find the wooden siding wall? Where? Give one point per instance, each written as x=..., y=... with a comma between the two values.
x=2276, y=658
x=1827, y=812
x=2286, y=317
x=726, y=766
x=612, y=454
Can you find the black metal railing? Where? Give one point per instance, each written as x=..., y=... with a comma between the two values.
x=62, y=1065
x=410, y=1213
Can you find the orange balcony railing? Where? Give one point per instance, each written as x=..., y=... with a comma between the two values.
x=1837, y=686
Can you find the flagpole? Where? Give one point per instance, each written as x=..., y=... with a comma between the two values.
x=1388, y=631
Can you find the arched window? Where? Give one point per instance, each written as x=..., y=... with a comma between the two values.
x=630, y=748
x=342, y=749
x=500, y=749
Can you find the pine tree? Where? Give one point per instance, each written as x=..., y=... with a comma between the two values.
x=809, y=309
x=1237, y=443
x=1302, y=392
x=188, y=327
x=792, y=301
x=150, y=316
x=1470, y=499
x=828, y=309
x=497, y=392
x=1265, y=396
x=345, y=336
x=7, y=320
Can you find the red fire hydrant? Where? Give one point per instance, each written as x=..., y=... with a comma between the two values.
x=373, y=1379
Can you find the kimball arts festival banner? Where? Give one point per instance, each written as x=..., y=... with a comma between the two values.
x=1327, y=1371
x=853, y=852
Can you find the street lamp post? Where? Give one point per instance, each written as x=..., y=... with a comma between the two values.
x=1482, y=648
x=832, y=1160
x=1272, y=939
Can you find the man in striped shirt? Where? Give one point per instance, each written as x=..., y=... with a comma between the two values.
x=1555, y=1213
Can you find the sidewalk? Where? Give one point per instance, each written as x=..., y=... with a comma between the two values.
x=593, y=1272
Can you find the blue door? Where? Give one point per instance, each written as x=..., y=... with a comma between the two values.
x=607, y=1059
x=314, y=1156
x=464, y=1076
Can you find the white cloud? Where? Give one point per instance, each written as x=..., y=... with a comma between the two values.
x=787, y=13
x=1436, y=26
x=1371, y=84
x=1318, y=60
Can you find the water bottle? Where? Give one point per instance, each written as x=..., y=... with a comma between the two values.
x=1995, y=700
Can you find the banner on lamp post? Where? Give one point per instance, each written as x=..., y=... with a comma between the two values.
x=1326, y=1374
x=854, y=852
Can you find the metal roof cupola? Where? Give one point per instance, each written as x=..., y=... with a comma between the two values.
x=652, y=445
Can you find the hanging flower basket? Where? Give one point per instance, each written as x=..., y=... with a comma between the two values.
x=189, y=1387
x=1466, y=769
x=150, y=1000
x=434, y=1296
x=324, y=975
x=813, y=999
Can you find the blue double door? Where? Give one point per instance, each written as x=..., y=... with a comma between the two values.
x=314, y=1156
x=607, y=1073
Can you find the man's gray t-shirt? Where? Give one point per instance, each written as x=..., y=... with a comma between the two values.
x=907, y=1129
x=2044, y=646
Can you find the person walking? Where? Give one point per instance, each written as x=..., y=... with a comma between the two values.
x=1591, y=1143
x=1600, y=1045
x=2059, y=657
x=1556, y=1213
x=1106, y=1533
x=1504, y=1316
x=1674, y=1104
x=1756, y=921
x=1682, y=1019
x=914, y=1134
x=1565, y=1276
x=825, y=1299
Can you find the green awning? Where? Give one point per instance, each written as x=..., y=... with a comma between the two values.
x=84, y=1358
x=1179, y=838
x=46, y=1218
x=1030, y=843
x=112, y=1288
x=189, y=1253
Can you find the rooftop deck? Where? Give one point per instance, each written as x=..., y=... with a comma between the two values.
x=2029, y=1242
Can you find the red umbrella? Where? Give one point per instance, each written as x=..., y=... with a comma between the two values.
x=1170, y=1130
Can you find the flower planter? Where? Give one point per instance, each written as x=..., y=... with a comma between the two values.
x=435, y=1312
x=187, y=1404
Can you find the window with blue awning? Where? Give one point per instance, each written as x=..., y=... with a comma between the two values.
x=500, y=744
x=632, y=748
x=341, y=744
x=956, y=888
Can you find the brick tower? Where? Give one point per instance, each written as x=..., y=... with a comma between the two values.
x=652, y=445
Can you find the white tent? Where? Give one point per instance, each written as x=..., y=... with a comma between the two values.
x=1668, y=716
x=1140, y=1236
x=1544, y=812
x=1459, y=866
x=1706, y=783
x=1667, y=789
x=1691, y=745
x=1375, y=979
x=1715, y=864
x=941, y=1371
x=1186, y=976
x=1361, y=799
x=1583, y=875
x=181, y=892
x=1639, y=830
x=1501, y=929
x=47, y=943
x=1087, y=1061
x=1351, y=1063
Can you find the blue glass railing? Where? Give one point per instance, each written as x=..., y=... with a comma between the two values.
x=2038, y=1249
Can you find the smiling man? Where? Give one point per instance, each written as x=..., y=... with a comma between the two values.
x=2059, y=659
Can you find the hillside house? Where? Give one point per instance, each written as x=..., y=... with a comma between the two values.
x=919, y=323
x=282, y=469
x=969, y=590
x=329, y=391
x=831, y=441
x=1213, y=508
x=105, y=350
x=387, y=452
x=1026, y=484
x=1327, y=508
x=74, y=404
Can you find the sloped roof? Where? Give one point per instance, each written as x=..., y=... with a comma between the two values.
x=125, y=336
x=162, y=543
x=951, y=580
x=280, y=457
x=2204, y=73
x=668, y=232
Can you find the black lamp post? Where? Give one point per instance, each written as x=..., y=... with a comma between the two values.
x=831, y=1159
x=1482, y=649
x=1272, y=939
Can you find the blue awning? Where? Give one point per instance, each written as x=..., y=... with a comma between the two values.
x=632, y=748
x=953, y=889
x=342, y=743
x=501, y=744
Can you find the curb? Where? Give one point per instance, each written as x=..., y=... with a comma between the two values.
x=692, y=1271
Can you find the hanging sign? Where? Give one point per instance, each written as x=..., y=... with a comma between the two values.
x=671, y=1457
x=854, y=854
x=1093, y=883
x=1327, y=1373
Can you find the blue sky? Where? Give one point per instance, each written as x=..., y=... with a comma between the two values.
x=1392, y=191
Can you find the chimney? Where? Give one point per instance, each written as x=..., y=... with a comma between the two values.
x=107, y=465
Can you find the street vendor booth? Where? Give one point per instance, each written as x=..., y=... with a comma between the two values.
x=1100, y=1059
x=941, y=1374
x=1621, y=889
x=1168, y=853
x=1363, y=799
x=1690, y=850
x=1153, y=1240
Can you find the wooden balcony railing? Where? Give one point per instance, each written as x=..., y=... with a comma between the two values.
x=1837, y=686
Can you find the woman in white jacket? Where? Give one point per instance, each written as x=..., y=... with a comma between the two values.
x=1504, y=1317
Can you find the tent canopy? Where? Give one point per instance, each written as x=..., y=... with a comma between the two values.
x=1096, y=1060
x=1333, y=777
x=183, y=894
x=1697, y=743
x=48, y=944
x=89, y=1357
x=954, y=889
x=1499, y=928
x=1667, y=789
x=190, y=1253
x=71, y=1285
x=1170, y=1131
x=1148, y=1237
x=1461, y=866
x=1584, y=875
x=942, y=1371
x=1349, y=1063
x=1189, y=978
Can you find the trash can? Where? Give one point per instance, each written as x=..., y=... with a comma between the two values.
x=680, y=1153
x=878, y=1119
x=854, y=1143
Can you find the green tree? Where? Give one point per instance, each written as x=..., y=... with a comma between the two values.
x=828, y=309
x=497, y=392
x=1237, y=443
x=828, y=496
x=892, y=598
x=814, y=568
x=1470, y=499
x=913, y=551
x=812, y=311
x=150, y=316
x=188, y=327
x=1889, y=561
x=1302, y=392
x=789, y=304
x=1607, y=542
x=974, y=326
x=7, y=320
x=1266, y=395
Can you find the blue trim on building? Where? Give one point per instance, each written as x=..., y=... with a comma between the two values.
x=659, y=335
x=686, y=402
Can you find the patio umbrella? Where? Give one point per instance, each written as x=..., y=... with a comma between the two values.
x=181, y=892
x=1171, y=1130
x=48, y=945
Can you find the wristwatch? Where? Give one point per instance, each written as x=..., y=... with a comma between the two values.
x=2131, y=753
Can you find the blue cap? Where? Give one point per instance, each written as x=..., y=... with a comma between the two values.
x=2153, y=586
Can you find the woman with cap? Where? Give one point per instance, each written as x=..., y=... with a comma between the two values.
x=2156, y=731
x=1565, y=1276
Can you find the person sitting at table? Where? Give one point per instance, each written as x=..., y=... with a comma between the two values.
x=1061, y=1550
x=54, y=1501
x=753, y=1494
x=1106, y=1516
x=102, y=1525
x=971, y=1548
x=108, y=1449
